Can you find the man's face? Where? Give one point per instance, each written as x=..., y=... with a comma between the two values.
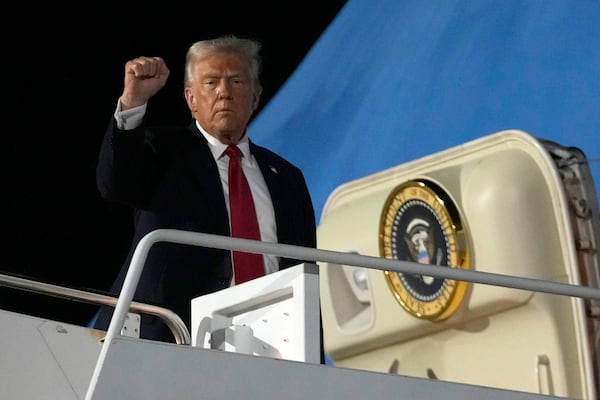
x=222, y=96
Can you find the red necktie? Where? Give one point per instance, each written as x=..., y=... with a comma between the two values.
x=243, y=219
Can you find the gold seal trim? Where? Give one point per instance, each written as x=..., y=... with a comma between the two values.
x=420, y=223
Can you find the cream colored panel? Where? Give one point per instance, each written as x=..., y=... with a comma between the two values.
x=512, y=209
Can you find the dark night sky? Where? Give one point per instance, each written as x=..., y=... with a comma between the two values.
x=61, y=75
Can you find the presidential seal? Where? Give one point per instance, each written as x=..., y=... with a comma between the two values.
x=420, y=223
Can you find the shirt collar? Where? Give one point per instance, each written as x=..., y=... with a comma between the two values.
x=217, y=148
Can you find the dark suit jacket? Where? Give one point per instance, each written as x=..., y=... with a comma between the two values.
x=170, y=179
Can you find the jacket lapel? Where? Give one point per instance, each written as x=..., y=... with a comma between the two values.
x=275, y=184
x=206, y=175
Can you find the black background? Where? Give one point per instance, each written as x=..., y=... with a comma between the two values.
x=62, y=73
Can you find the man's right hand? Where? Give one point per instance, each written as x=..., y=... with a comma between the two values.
x=144, y=77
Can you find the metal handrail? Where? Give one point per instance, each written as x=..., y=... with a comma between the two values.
x=308, y=254
x=172, y=320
